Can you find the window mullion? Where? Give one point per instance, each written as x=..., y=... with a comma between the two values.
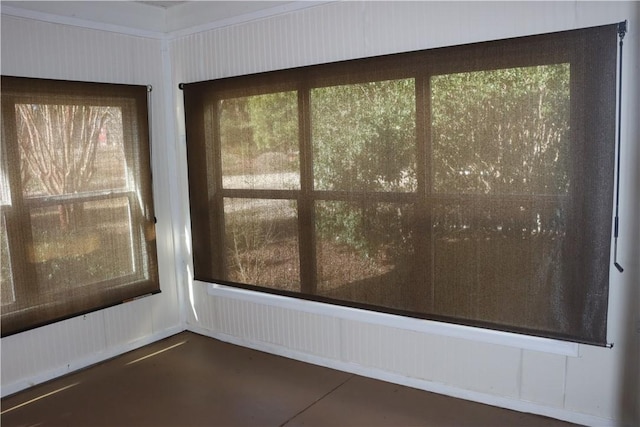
x=424, y=171
x=306, y=208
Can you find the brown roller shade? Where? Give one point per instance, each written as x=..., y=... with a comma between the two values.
x=77, y=213
x=468, y=184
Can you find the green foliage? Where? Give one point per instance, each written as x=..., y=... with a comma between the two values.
x=492, y=132
x=501, y=131
x=257, y=125
x=236, y=133
x=364, y=139
x=374, y=230
x=364, y=136
x=274, y=121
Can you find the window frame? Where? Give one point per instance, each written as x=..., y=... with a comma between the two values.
x=21, y=315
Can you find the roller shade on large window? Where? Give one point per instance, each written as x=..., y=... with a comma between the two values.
x=77, y=212
x=469, y=184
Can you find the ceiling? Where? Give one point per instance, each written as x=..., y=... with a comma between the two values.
x=151, y=17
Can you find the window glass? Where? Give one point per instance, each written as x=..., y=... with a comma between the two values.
x=70, y=149
x=6, y=275
x=7, y=295
x=502, y=131
x=366, y=252
x=262, y=242
x=498, y=261
x=364, y=136
x=69, y=250
x=259, y=141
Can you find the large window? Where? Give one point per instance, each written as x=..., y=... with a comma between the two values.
x=76, y=211
x=470, y=184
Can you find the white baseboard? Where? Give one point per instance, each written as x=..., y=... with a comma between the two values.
x=366, y=371
x=86, y=361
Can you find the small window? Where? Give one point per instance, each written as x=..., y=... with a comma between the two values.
x=77, y=215
x=469, y=184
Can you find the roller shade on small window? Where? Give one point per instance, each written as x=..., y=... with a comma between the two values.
x=77, y=212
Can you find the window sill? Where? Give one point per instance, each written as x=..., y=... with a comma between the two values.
x=524, y=342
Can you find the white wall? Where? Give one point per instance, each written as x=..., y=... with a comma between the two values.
x=32, y=48
x=595, y=386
